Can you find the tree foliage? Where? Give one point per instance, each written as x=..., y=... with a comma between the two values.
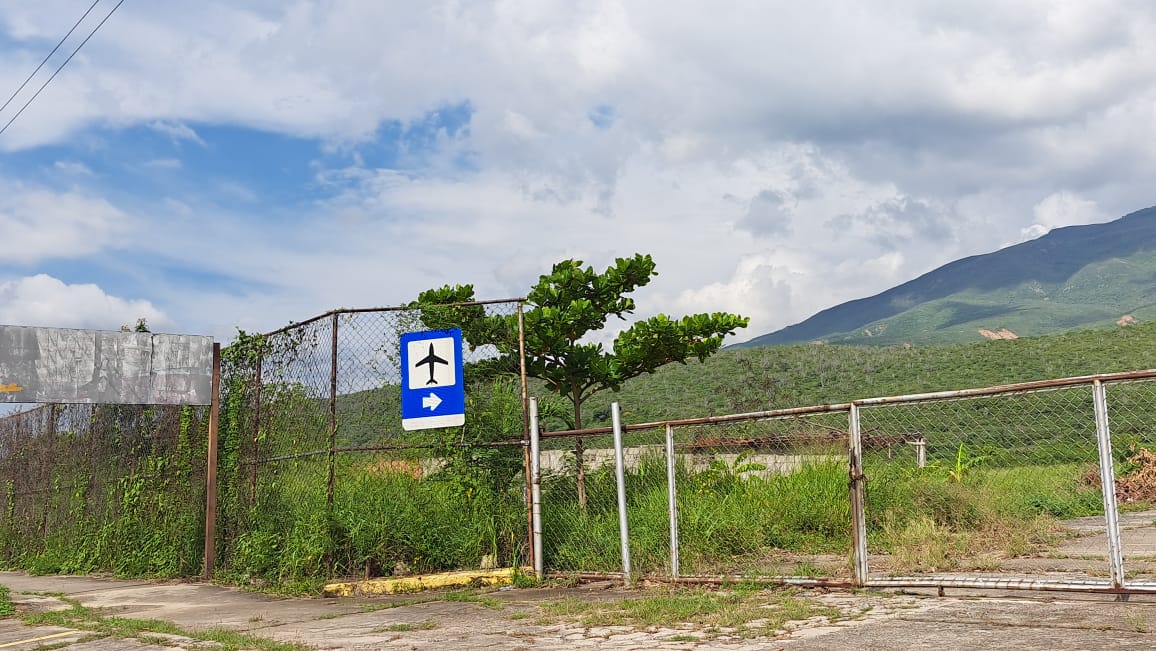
x=563, y=309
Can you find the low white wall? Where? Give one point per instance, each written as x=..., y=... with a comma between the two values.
x=557, y=461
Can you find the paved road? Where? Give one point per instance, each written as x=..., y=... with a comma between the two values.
x=895, y=621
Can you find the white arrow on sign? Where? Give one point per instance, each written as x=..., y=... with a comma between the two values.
x=431, y=401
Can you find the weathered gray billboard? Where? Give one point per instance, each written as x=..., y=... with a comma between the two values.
x=82, y=366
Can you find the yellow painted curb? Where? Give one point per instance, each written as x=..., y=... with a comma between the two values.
x=467, y=578
x=42, y=638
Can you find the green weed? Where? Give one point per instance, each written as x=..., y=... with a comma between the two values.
x=406, y=627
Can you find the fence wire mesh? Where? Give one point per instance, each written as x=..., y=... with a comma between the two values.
x=331, y=485
x=982, y=488
x=998, y=478
x=319, y=480
x=1132, y=413
x=763, y=497
x=754, y=497
x=103, y=488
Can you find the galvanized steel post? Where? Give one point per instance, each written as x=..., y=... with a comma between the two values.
x=672, y=494
x=858, y=501
x=536, y=490
x=620, y=476
x=1108, y=484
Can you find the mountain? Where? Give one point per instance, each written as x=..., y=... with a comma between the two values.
x=1075, y=277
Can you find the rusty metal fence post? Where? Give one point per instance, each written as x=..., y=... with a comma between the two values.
x=210, y=554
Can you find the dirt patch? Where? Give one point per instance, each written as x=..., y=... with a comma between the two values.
x=1139, y=483
x=29, y=603
x=1126, y=320
x=1002, y=333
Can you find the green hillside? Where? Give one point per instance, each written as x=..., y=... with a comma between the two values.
x=1071, y=278
x=772, y=377
x=1096, y=296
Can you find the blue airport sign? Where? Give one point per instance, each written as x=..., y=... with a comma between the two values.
x=433, y=392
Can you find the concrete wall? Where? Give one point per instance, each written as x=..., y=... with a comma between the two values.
x=557, y=461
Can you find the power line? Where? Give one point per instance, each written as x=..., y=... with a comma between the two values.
x=78, y=22
x=61, y=67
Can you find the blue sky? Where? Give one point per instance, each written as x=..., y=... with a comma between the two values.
x=216, y=165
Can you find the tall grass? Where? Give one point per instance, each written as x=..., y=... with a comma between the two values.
x=737, y=518
x=381, y=522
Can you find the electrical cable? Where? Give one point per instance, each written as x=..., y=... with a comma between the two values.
x=78, y=22
x=61, y=67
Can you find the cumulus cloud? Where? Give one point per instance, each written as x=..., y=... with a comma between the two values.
x=177, y=131
x=42, y=300
x=39, y=223
x=774, y=161
x=1062, y=209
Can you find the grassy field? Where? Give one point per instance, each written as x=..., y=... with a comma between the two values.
x=737, y=380
x=739, y=522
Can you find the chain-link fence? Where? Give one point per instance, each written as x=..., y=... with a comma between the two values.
x=986, y=486
x=1048, y=485
x=329, y=484
x=1003, y=487
x=735, y=479
x=115, y=488
x=316, y=476
x=1131, y=412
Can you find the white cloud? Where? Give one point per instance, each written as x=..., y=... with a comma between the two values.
x=42, y=300
x=775, y=159
x=177, y=131
x=38, y=223
x=1062, y=209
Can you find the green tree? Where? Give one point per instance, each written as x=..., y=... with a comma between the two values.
x=142, y=325
x=566, y=306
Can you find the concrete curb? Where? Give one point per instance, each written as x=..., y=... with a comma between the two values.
x=397, y=585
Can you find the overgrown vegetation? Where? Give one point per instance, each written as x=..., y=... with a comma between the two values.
x=1000, y=472
x=736, y=520
x=440, y=507
x=114, y=488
